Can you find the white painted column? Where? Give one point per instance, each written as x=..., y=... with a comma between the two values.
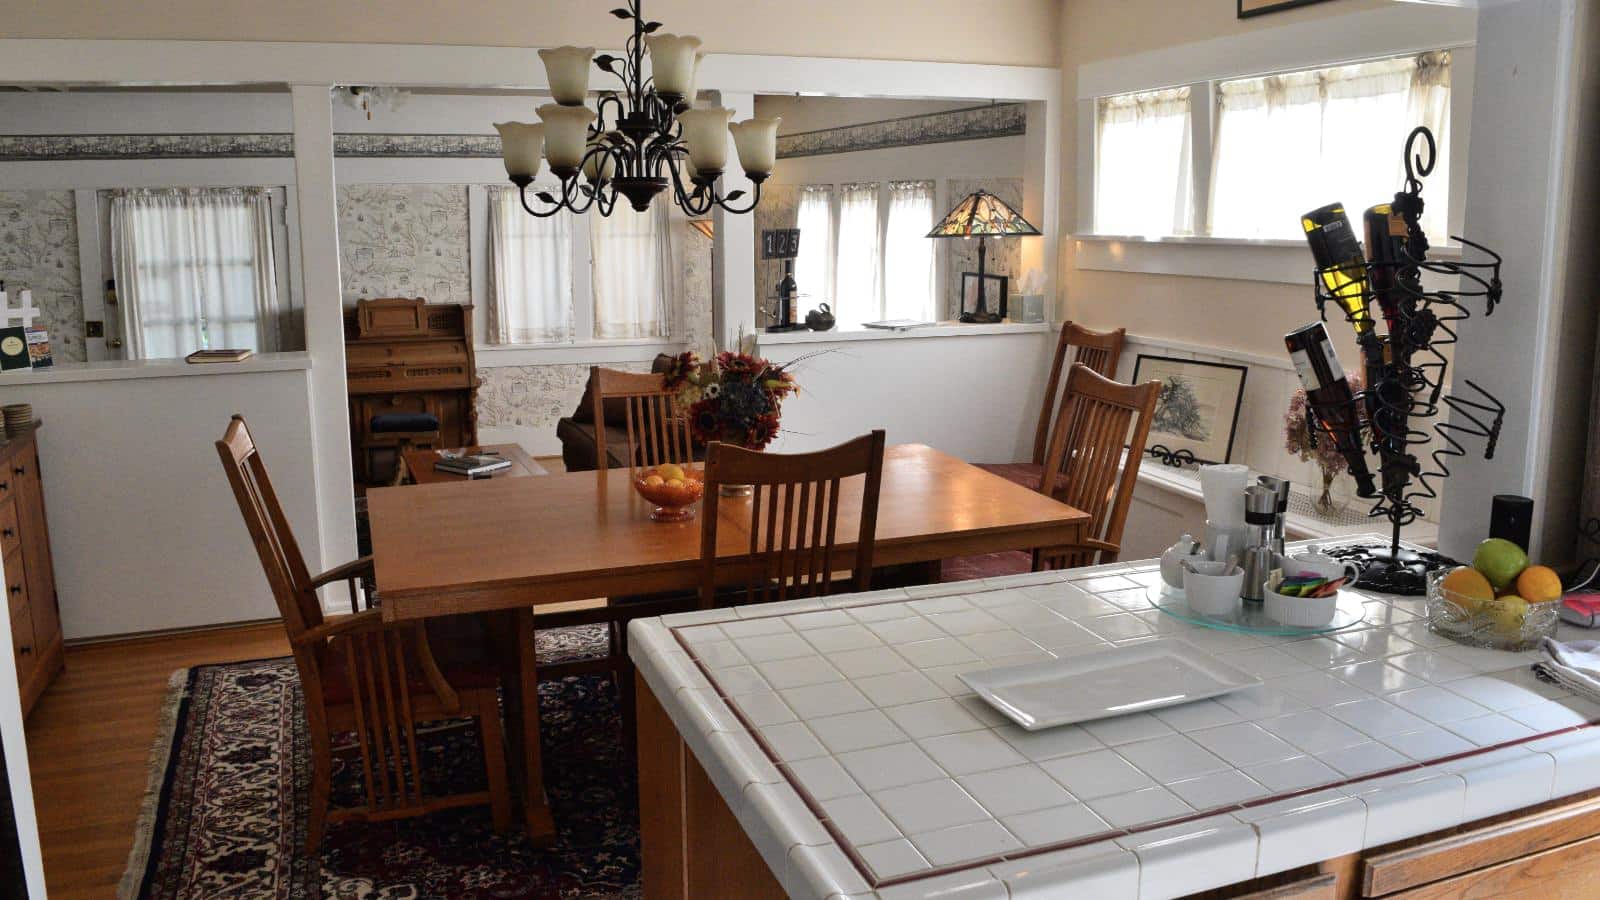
x=1041, y=196
x=733, y=257
x=1518, y=202
x=13, y=742
x=324, y=319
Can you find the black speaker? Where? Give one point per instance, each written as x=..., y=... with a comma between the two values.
x=1511, y=518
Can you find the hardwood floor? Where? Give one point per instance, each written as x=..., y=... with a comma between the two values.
x=89, y=742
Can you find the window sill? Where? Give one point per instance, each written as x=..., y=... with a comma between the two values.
x=940, y=330
x=1240, y=259
x=130, y=369
x=492, y=356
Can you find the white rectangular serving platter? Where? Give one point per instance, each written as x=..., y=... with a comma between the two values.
x=1099, y=684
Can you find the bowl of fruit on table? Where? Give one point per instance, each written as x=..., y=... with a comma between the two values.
x=672, y=488
x=1500, y=601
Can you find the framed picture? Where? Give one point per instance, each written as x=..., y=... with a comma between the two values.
x=1198, y=410
x=995, y=288
x=1248, y=8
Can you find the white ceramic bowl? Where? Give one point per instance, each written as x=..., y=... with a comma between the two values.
x=1301, y=612
x=1213, y=595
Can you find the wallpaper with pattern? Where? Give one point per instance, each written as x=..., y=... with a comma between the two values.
x=976, y=123
x=780, y=207
x=39, y=251
x=405, y=240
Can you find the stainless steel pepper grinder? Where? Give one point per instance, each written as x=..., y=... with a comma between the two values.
x=1280, y=487
x=1260, y=513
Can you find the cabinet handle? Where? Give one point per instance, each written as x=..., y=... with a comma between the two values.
x=5, y=485
x=16, y=589
x=19, y=470
x=8, y=532
x=24, y=651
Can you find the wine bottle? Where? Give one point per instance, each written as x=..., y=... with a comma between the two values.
x=1337, y=254
x=1329, y=399
x=1394, y=280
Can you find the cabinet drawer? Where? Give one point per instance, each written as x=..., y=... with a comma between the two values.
x=10, y=534
x=22, y=649
x=16, y=581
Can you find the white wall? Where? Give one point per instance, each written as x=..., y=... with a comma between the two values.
x=144, y=528
x=14, y=744
x=975, y=396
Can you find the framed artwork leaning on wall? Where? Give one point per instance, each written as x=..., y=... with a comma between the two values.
x=1197, y=413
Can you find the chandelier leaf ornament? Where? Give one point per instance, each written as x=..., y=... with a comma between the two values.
x=638, y=141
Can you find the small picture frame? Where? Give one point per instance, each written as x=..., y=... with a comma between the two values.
x=995, y=290
x=1248, y=8
x=1197, y=413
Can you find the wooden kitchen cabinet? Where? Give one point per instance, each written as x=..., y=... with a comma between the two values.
x=30, y=582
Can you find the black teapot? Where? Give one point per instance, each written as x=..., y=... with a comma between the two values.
x=820, y=319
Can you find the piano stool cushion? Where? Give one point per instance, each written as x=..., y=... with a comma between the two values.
x=616, y=408
x=387, y=422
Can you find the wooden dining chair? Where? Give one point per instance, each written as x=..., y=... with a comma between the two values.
x=1100, y=351
x=1085, y=466
x=656, y=432
x=362, y=676
x=793, y=521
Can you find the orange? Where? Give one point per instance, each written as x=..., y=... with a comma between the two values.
x=1468, y=588
x=654, y=480
x=1539, y=584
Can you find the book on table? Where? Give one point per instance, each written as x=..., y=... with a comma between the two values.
x=471, y=464
x=218, y=356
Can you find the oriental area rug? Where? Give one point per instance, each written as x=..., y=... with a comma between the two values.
x=226, y=812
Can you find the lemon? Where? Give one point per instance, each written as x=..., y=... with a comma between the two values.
x=674, y=482
x=669, y=471
x=1539, y=584
x=1508, y=613
x=653, y=480
x=1468, y=589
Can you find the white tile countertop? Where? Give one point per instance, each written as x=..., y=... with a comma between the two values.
x=837, y=732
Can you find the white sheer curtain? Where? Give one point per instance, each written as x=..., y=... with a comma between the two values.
x=195, y=271
x=1290, y=143
x=632, y=266
x=813, y=268
x=856, y=288
x=908, y=291
x=1144, y=183
x=530, y=273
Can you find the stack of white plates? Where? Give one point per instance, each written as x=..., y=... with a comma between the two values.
x=18, y=417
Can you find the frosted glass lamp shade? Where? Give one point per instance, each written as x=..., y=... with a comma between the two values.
x=567, y=70
x=672, y=61
x=566, y=133
x=756, y=140
x=520, y=147
x=705, y=131
x=597, y=165
x=694, y=80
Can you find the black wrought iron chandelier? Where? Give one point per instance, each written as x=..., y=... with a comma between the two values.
x=639, y=141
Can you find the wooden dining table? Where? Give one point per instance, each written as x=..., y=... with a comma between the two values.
x=509, y=545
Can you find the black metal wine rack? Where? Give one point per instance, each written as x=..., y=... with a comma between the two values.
x=1397, y=409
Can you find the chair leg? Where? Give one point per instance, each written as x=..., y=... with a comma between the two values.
x=321, y=788
x=494, y=760
x=630, y=716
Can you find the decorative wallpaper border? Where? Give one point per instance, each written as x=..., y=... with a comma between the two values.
x=466, y=146
x=68, y=147
x=976, y=123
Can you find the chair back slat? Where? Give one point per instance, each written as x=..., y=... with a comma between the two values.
x=1099, y=350
x=793, y=516
x=656, y=432
x=269, y=529
x=1085, y=465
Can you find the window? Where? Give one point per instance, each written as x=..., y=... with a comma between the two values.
x=1296, y=141
x=630, y=254
x=1276, y=146
x=857, y=268
x=530, y=273
x=908, y=253
x=877, y=263
x=813, y=268
x=195, y=270
x=535, y=296
x=1143, y=182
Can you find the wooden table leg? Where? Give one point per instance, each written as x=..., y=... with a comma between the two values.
x=541, y=827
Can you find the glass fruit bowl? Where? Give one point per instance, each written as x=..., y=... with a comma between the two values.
x=1496, y=624
x=674, y=497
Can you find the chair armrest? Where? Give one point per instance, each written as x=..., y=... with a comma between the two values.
x=371, y=620
x=355, y=568
x=448, y=698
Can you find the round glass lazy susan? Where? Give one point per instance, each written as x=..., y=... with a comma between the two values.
x=1251, y=617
